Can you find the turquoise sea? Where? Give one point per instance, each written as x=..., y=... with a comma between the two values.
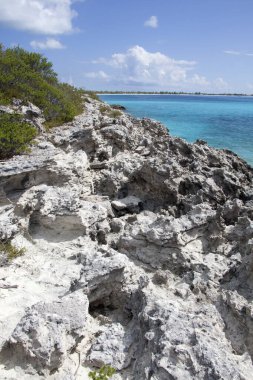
x=222, y=121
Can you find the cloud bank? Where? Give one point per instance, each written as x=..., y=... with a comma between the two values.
x=139, y=68
x=137, y=65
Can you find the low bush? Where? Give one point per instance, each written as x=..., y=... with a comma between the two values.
x=104, y=373
x=104, y=109
x=15, y=135
x=115, y=114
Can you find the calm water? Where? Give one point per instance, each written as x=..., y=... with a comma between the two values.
x=224, y=122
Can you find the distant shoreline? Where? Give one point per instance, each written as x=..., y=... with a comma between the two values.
x=170, y=94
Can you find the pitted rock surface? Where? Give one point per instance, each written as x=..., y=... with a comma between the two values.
x=139, y=254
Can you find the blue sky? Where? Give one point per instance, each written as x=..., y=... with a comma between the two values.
x=173, y=45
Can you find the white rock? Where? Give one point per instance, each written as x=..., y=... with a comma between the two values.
x=130, y=203
x=138, y=255
x=48, y=332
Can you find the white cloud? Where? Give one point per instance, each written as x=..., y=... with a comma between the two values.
x=152, y=22
x=235, y=52
x=220, y=84
x=49, y=43
x=38, y=16
x=138, y=68
x=199, y=80
x=137, y=65
x=232, y=52
x=97, y=75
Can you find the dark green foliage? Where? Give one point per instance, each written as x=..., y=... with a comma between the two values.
x=104, y=373
x=30, y=77
x=68, y=104
x=15, y=135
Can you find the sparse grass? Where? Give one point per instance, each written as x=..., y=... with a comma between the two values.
x=104, y=109
x=11, y=251
x=115, y=114
x=104, y=373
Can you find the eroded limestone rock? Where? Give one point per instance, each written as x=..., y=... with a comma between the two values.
x=47, y=332
x=139, y=254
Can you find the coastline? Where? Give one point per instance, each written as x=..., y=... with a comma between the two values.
x=185, y=119
x=195, y=95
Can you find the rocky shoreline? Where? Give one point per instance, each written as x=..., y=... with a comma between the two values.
x=138, y=255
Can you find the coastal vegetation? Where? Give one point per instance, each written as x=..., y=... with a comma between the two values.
x=113, y=113
x=104, y=109
x=30, y=77
x=93, y=95
x=168, y=93
x=104, y=373
x=15, y=135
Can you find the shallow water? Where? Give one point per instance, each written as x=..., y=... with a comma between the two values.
x=222, y=121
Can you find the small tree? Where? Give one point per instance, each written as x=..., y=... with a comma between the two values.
x=104, y=373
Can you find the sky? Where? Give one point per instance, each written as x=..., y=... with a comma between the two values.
x=138, y=45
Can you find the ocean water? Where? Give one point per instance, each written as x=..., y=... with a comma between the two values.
x=222, y=121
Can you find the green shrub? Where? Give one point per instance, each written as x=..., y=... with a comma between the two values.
x=104, y=109
x=10, y=251
x=109, y=112
x=93, y=95
x=115, y=114
x=15, y=135
x=30, y=77
x=104, y=373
